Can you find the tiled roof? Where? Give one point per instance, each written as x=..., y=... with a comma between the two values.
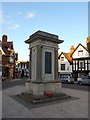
x=5, y=46
x=68, y=56
x=58, y=54
x=1, y=51
x=8, y=44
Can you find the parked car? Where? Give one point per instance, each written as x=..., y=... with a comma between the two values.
x=3, y=78
x=67, y=79
x=70, y=80
x=84, y=80
x=64, y=79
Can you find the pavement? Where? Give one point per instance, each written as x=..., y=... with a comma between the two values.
x=77, y=108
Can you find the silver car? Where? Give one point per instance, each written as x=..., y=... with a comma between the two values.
x=84, y=80
x=67, y=80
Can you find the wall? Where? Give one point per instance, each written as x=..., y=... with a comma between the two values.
x=68, y=67
x=85, y=53
x=45, y=46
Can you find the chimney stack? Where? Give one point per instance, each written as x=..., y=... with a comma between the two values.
x=72, y=48
x=88, y=43
x=4, y=38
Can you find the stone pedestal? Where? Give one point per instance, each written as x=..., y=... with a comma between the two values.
x=39, y=88
x=43, y=68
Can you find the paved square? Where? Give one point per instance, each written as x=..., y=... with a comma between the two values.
x=71, y=109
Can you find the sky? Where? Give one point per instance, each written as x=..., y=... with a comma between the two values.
x=68, y=20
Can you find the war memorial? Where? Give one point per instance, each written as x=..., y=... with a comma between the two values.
x=43, y=84
x=43, y=68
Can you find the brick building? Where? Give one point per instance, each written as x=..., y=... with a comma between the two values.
x=8, y=59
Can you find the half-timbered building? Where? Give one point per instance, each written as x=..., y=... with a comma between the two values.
x=81, y=60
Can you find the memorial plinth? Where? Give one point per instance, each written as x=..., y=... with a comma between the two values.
x=43, y=67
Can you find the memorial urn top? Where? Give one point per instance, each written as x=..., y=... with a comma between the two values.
x=41, y=35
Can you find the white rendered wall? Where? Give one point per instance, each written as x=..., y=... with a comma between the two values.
x=85, y=53
x=68, y=67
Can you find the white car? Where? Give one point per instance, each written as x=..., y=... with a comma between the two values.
x=67, y=80
x=84, y=80
x=70, y=80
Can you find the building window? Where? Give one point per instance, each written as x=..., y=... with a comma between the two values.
x=62, y=58
x=48, y=62
x=11, y=60
x=68, y=68
x=62, y=66
x=88, y=64
x=81, y=64
x=80, y=53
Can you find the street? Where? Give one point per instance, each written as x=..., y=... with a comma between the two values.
x=12, y=83
x=8, y=84
x=76, y=86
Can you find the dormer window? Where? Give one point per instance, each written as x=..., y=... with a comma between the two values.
x=9, y=49
x=80, y=53
x=62, y=58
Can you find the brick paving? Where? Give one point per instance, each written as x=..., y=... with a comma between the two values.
x=77, y=108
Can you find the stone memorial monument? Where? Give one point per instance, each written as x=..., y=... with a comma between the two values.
x=43, y=67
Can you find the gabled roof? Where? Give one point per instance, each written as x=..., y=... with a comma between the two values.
x=1, y=50
x=82, y=46
x=59, y=54
x=11, y=52
x=5, y=46
x=67, y=56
